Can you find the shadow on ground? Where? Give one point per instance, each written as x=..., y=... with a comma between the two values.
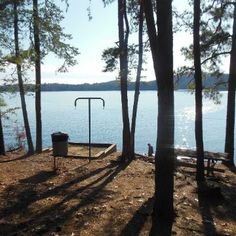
x=136, y=224
x=15, y=159
x=216, y=200
x=23, y=211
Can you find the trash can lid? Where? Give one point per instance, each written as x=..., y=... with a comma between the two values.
x=59, y=133
x=59, y=136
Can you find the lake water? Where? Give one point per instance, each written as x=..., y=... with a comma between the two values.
x=59, y=114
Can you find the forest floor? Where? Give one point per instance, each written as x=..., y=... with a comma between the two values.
x=104, y=197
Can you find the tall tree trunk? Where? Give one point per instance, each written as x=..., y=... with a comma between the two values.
x=230, y=120
x=137, y=83
x=2, y=145
x=37, y=77
x=123, y=44
x=162, y=53
x=198, y=92
x=20, y=83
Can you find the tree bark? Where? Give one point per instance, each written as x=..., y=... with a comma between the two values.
x=162, y=53
x=198, y=93
x=2, y=145
x=20, y=83
x=230, y=117
x=37, y=77
x=123, y=45
x=137, y=83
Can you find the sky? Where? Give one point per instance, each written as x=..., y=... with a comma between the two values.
x=91, y=37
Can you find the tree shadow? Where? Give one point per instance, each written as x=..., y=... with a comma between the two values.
x=15, y=159
x=216, y=202
x=209, y=196
x=76, y=157
x=135, y=225
x=226, y=208
x=40, y=221
x=40, y=177
x=30, y=195
x=232, y=169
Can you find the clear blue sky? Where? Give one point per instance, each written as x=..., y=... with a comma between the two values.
x=92, y=37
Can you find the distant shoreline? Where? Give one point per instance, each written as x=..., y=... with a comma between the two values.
x=180, y=84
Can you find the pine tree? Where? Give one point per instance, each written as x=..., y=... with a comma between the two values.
x=160, y=37
x=20, y=80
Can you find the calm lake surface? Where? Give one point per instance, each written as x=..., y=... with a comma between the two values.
x=59, y=114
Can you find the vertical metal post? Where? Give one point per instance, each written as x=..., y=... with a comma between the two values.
x=89, y=117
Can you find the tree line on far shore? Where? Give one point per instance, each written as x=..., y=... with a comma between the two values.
x=180, y=83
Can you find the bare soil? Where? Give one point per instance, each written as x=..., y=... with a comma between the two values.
x=105, y=197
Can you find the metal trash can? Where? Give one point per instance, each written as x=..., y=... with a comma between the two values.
x=60, y=144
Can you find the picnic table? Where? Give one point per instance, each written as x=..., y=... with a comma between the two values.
x=210, y=157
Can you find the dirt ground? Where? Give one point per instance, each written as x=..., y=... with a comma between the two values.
x=104, y=197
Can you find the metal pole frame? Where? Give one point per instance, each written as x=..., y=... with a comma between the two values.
x=89, y=116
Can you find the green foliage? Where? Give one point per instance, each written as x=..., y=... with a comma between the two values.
x=7, y=111
x=2, y=102
x=6, y=32
x=213, y=94
x=107, y=2
x=215, y=40
x=52, y=36
x=110, y=56
x=53, y=39
x=8, y=56
x=25, y=56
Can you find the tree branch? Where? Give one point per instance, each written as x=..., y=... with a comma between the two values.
x=214, y=56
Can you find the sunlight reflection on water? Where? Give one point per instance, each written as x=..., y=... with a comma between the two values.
x=59, y=114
